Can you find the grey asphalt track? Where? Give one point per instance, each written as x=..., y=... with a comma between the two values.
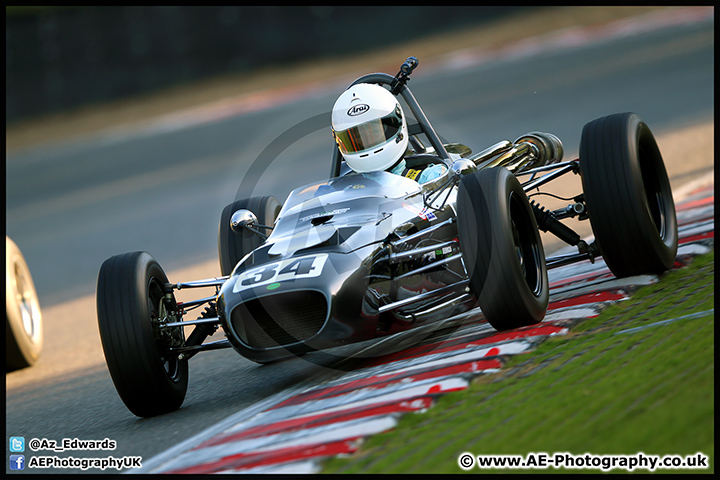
x=70, y=206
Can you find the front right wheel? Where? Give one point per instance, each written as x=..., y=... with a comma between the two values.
x=132, y=303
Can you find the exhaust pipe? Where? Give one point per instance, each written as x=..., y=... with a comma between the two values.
x=531, y=150
x=548, y=148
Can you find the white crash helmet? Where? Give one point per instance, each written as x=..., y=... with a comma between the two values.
x=369, y=127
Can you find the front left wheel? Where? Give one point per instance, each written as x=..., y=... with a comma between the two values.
x=132, y=303
x=502, y=249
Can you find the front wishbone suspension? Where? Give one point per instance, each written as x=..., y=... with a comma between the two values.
x=204, y=325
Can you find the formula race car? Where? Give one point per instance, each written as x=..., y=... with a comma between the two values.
x=365, y=255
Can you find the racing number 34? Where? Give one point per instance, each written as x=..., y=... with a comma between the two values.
x=290, y=269
x=300, y=266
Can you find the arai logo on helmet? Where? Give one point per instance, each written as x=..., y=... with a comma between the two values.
x=358, y=109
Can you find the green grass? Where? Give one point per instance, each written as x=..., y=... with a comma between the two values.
x=592, y=391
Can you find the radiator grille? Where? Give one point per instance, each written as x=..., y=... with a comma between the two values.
x=280, y=319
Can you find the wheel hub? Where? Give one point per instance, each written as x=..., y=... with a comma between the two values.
x=29, y=309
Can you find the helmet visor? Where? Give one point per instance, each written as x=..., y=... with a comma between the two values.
x=370, y=134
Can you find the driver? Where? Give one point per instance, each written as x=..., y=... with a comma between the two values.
x=371, y=132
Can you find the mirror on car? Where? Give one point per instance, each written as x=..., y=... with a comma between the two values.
x=242, y=219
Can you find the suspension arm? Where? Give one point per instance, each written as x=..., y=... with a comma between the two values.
x=532, y=184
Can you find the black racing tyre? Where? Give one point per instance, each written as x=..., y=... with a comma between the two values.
x=502, y=249
x=232, y=247
x=149, y=380
x=628, y=195
x=23, y=334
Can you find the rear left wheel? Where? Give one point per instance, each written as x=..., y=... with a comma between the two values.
x=628, y=195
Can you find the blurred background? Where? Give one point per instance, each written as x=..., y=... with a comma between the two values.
x=61, y=58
